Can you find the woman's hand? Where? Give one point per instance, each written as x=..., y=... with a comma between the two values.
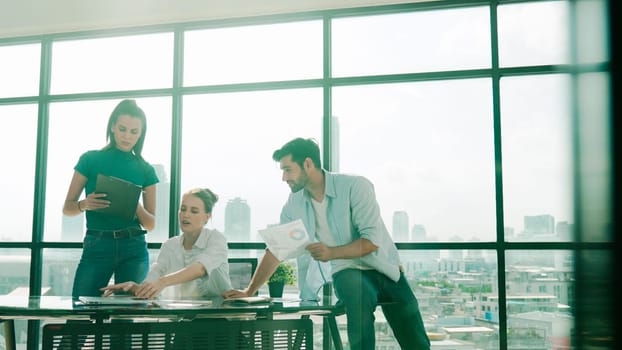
x=120, y=287
x=149, y=290
x=94, y=201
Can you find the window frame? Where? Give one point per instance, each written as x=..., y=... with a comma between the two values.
x=177, y=91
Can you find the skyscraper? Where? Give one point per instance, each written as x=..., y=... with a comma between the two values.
x=400, y=226
x=418, y=233
x=237, y=220
x=564, y=230
x=539, y=224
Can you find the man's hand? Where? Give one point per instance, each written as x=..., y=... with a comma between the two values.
x=319, y=251
x=123, y=287
x=235, y=293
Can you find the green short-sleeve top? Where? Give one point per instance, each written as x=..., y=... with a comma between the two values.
x=117, y=163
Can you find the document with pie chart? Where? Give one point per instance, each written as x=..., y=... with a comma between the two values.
x=286, y=241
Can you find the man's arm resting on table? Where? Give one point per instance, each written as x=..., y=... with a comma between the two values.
x=265, y=269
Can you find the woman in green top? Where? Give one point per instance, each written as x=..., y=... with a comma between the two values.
x=113, y=245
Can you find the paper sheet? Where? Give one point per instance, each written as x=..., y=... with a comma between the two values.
x=286, y=241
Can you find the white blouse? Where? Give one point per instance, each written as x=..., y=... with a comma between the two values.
x=210, y=249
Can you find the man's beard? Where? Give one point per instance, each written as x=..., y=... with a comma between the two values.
x=300, y=183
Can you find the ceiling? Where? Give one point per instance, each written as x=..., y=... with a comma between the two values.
x=19, y=18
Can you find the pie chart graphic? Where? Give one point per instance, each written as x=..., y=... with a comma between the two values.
x=297, y=234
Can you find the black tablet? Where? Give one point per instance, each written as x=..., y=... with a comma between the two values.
x=123, y=196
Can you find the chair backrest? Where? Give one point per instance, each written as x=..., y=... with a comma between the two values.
x=241, y=271
x=219, y=334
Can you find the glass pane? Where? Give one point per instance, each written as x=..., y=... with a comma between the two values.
x=76, y=127
x=15, y=277
x=15, y=281
x=120, y=63
x=285, y=51
x=598, y=295
x=411, y=42
x=436, y=165
x=537, y=158
x=540, y=297
x=19, y=69
x=595, y=161
x=59, y=268
x=592, y=23
x=228, y=141
x=534, y=34
x=18, y=149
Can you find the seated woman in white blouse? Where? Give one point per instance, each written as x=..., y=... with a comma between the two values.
x=192, y=265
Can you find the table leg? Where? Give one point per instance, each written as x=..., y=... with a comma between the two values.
x=9, y=334
x=334, y=332
x=326, y=339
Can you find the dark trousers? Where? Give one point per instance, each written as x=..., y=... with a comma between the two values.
x=126, y=258
x=361, y=290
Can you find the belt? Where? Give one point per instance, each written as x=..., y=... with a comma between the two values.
x=116, y=234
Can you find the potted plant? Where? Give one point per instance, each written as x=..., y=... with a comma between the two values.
x=284, y=274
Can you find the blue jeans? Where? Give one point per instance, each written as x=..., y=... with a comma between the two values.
x=360, y=291
x=126, y=258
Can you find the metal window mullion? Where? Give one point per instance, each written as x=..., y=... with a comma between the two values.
x=43, y=117
x=176, y=131
x=327, y=92
x=496, y=105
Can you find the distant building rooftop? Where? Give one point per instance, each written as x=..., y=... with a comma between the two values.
x=474, y=329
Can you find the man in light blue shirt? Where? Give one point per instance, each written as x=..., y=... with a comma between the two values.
x=342, y=218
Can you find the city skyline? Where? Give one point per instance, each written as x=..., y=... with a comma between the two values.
x=238, y=213
x=236, y=223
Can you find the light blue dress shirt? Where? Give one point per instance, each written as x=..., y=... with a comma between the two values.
x=352, y=213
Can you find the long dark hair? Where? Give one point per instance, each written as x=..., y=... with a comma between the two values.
x=127, y=107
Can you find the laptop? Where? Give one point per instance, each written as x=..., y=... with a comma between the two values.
x=115, y=300
x=123, y=196
x=250, y=300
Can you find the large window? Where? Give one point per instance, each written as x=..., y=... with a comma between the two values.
x=537, y=157
x=470, y=120
x=19, y=69
x=534, y=34
x=248, y=54
x=438, y=162
x=228, y=140
x=421, y=41
x=117, y=63
x=19, y=160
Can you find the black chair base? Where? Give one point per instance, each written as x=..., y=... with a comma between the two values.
x=217, y=334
